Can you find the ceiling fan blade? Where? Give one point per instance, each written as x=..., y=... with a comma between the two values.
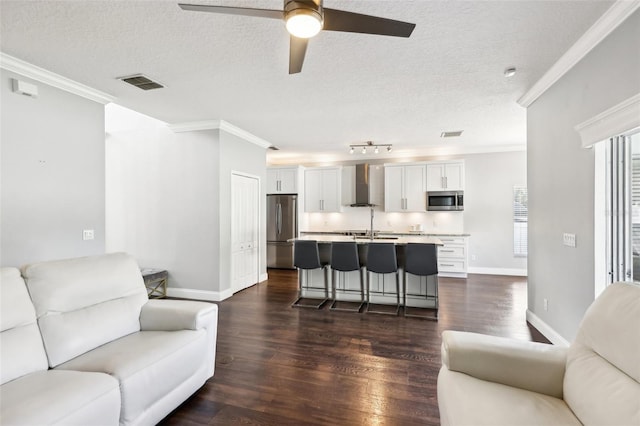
x=245, y=11
x=297, y=50
x=340, y=20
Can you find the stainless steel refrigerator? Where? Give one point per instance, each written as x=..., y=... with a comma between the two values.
x=282, y=225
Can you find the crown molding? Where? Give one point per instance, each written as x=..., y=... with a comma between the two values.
x=604, y=26
x=33, y=72
x=192, y=126
x=616, y=120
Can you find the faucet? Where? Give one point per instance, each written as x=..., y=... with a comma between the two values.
x=371, y=232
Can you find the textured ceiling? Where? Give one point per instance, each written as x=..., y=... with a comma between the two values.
x=353, y=87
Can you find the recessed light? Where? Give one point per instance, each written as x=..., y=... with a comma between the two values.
x=453, y=134
x=510, y=72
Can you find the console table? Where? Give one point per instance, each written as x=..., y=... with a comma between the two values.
x=156, y=282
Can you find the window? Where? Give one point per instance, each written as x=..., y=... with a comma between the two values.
x=623, y=208
x=520, y=220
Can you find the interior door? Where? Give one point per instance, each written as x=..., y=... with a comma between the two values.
x=245, y=214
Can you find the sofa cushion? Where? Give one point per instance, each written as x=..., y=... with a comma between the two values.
x=601, y=383
x=85, y=302
x=465, y=400
x=148, y=365
x=21, y=349
x=60, y=398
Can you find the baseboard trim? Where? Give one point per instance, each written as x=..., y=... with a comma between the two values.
x=546, y=329
x=498, y=271
x=189, y=293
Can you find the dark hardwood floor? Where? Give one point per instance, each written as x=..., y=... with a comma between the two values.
x=278, y=365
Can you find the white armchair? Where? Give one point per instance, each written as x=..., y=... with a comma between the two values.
x=487, y=380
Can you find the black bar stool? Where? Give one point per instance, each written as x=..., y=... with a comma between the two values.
x=381, y=259
x=421, y=260
x=344, y=258
x=306, y=257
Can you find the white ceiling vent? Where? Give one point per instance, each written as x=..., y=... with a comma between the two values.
x=141, y=82
x=453, y=134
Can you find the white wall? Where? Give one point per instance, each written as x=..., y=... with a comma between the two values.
x=52, y=174
x=488, y=210
x=155, y=208
x=561, y=176
x=168, y=197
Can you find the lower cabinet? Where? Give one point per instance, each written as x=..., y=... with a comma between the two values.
x=452, y=257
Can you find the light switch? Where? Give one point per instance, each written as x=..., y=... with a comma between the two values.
x=569, y=240
x=87, y=234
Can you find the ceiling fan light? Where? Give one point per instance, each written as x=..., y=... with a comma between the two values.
x=389, y=148
x=351, y=150
x=376, y=150
x=303, y=23
x=364, y=150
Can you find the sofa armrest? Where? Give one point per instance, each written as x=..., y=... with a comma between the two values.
x=537, y=367
x=172, y=315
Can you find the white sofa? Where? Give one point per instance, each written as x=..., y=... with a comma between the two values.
x=486, y=380
x=81, y=344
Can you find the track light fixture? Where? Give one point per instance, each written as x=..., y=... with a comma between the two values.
x=369, y=144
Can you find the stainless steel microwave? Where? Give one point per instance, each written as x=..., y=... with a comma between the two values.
x=445, y=200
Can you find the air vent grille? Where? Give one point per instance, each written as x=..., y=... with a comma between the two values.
x=453, y=134
x=141, y=82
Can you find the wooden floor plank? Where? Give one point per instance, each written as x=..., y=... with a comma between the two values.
x=278, y=365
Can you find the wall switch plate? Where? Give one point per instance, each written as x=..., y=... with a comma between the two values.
x=569, y=240
x=473, y=257
x=88, y=234
x=546, y=304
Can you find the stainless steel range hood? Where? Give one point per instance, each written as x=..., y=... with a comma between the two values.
x=363, y=192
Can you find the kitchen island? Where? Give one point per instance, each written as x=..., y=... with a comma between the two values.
x=379, y=283
x=452, y=252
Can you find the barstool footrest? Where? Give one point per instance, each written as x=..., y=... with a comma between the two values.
x=298, y=303
x=368, y=309
x=335, y=306
x=433, y=317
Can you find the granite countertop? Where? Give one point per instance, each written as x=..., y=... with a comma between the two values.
x=400, y=240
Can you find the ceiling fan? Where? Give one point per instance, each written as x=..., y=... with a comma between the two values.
x=304, y=19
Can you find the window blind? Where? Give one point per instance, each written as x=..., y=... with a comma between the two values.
x=520, y=221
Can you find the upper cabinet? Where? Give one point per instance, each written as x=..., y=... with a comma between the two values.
x=322, y=189
x=445, y=176
x=282, y=180
x=404, y=188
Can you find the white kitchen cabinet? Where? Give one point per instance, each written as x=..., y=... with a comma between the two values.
x=452, y=257
x=404, y=188
x=322, y=189
x=282, y=180
x=445, y=176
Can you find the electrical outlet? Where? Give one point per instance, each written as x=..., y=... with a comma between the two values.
x=569, y=240
x=88, y=234
x=545, y=302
